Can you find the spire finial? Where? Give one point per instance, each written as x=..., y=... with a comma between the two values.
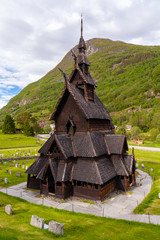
x=81, y=25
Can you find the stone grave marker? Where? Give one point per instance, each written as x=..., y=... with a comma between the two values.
x=19, y=165
x=8, y=209
x=16, y=165
x=26, y=167
x=18, y=174
x=26, y=160
x=6, y=180
x=12, y=165
x=14, y=161
x=22, y=166
x=5, y=163
x=10, y=172
x=55, y=227
x=6, y=170
x=159, y=195
x=37, y=222
x=1, y=179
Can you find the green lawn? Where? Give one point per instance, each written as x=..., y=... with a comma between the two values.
x=17, y=141
x=19, y=152
x=144, y=155
x=76, y=226
x=151, y=204
x=145, y=144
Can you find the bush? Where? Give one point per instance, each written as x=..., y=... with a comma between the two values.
x=135, y=132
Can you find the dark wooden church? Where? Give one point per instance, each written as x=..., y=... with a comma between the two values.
x=83, y=157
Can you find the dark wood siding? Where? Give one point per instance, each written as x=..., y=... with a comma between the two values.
x=98, y=124
x=71, y=110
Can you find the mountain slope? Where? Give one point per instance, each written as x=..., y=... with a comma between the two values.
x=127, y=75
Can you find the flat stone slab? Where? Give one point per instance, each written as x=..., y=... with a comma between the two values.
x=37, y=222
x=56, y=227
x=8, y=209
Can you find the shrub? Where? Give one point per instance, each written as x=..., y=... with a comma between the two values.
x=158, y=138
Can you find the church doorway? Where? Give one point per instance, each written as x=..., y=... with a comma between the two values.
x=51, y=182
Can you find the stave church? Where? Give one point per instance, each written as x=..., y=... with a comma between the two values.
x=83, y=157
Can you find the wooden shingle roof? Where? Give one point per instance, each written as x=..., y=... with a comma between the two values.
x=115, y=143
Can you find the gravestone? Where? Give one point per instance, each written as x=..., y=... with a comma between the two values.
x=12, y=165
x=55, y=227
x=18, y=174
x=5, y=163
x=8, y=209
x=26, y=167
x=6, y=170
x=14, y=161
x=6, y=180
x=16, y=165
x=10, y=172
x=22, y=166
x=1, y=179
x=1, y=162
x=37, y=222
x=19, y=165
x=159, y=195
x=26, y=160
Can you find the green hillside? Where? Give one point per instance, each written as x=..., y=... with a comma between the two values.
x=127, y=75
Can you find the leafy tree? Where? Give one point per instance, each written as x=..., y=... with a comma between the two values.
x=158, y=138
x=153, y=133
x=37, y=129
x=8, y=125
x=23, y=117
x=47, y=128
x=135, y=131
x=28, y=129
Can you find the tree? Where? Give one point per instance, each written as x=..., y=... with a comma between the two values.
x=23, y=117
x=8, y=125
x=135, y=131
x=158, y=138
x=153, y=133
x=28, y=129
x=47, y=128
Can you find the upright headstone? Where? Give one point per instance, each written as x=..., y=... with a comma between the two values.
x=18, y=174
x=8, y=209
x=5, y=163
x=6, y=180
x=37, y=222
x=26, y=167
x=22, y=166
x=10, y=172
x=6, y=170
x=55, y=227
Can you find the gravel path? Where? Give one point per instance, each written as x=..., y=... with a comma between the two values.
x=119, y=205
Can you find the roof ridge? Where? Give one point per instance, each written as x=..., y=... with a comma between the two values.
x=97, y=170
x=93, y=148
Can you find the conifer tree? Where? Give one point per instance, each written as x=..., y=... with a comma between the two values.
x=8, y=125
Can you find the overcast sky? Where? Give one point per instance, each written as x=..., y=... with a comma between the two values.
x=36, y=34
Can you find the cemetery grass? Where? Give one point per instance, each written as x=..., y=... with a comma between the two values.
x=76, y=225
x=12, y=178
x=17, y=141
x=151, y=204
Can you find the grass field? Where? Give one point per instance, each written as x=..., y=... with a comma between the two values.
x=144, y=155
x=151, y=204
x=76, y=226
x=17, y=141
x=145, y=144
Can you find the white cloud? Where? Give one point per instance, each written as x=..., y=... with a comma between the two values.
x=35, y=35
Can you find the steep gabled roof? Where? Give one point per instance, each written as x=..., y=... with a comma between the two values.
x=91, y=109
x=85, y=77
x=115, y=143
x=119, y=166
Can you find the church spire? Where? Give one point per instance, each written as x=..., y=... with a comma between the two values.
x=81, y=45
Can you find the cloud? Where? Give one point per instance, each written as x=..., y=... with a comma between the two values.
x=35, y=35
